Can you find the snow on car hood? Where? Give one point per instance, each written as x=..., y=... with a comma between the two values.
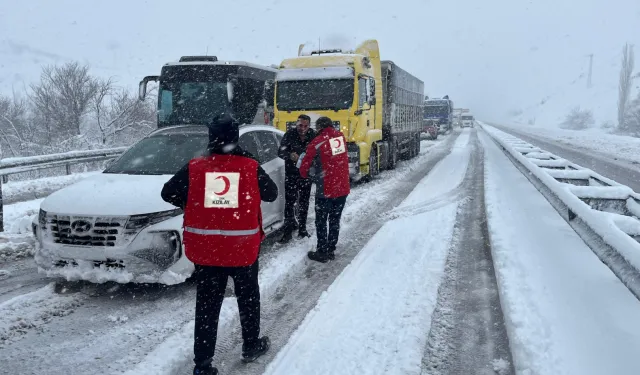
x=110, y=194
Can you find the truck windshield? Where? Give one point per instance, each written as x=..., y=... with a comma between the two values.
x=436, y=110
x=191, y=95
x=467, y=117
x=328, y=94
x=160, y=154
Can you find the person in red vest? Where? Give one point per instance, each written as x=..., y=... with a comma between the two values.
x=326, y=161
x=221, y=194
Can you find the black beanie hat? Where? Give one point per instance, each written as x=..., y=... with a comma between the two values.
x=224, y=130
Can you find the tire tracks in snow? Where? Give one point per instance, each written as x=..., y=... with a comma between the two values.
x=468, y=334
x=299, y=293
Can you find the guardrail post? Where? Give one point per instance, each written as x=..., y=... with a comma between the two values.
x=68, y=169
x=5, y=178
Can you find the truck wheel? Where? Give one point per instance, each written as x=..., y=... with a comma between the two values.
x=393, y=155
x=374, y=166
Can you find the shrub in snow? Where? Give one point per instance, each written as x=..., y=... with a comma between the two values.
x=608, y=125
x=578, y=119
x=631, y=123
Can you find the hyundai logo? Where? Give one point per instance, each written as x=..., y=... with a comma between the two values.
x=81, y=226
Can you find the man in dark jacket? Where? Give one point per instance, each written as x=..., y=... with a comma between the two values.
x=297, y=189
x=326, y=161
x=221, y=194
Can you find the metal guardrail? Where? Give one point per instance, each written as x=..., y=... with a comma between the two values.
x=32, y=163
x=603, y=212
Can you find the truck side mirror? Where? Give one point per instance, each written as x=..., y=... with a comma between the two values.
x=269, y=91
x=142, y=88
x=232, y=79
x=372, y=100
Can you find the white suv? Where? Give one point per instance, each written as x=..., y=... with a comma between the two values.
x=116, y=227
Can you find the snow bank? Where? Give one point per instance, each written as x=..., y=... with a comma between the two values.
x=15, y=191
x=176, y=351
x=384, y=299
x=566, y=312
x=599, y=222
x=384, y=302
x=18, y=216
x=13, y=247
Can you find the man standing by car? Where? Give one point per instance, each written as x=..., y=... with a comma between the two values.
x=326, y=161
x=221, y=194
x=297, y=189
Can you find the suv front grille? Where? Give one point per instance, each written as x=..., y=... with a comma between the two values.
x=86, y=231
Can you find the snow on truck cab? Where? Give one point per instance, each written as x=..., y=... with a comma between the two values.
x=439, y=112
x=115, y=226
x=375, y=104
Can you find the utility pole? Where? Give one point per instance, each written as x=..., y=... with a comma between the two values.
x=590, y=71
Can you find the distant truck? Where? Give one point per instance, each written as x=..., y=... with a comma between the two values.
x=375, y=104
x=439, y=112
x=467, y=121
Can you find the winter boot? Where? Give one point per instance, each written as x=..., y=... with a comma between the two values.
x=302, y=233
x=205, y=370
x=332, y=254
x=319, y=256
x=253, y=354
x=286, y=237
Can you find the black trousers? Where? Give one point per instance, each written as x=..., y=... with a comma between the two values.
x=328, y=210
x=297, y=190
x=211, y=285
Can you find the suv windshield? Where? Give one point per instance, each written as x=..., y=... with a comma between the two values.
x=160, y=154
x=191, y=95
x=467, y=117
x=335, y=94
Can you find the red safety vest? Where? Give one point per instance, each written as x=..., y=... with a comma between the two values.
x=222, y=218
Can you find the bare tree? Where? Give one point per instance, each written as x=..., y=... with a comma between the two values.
x=62, y=98
x=119, y=117
x=624, y=89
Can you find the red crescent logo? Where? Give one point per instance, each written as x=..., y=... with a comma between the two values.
x=339, y=142
x=227, y=185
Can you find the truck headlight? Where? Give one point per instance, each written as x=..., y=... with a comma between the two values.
x=160, y=248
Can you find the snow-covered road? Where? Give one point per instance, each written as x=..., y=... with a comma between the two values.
x=148, y=329
x=429, y=257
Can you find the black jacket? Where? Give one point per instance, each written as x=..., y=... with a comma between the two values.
x=291, y=142
x=176, y=190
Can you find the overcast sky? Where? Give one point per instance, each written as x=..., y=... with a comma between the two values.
x=491, y=56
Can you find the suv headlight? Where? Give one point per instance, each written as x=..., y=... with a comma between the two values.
x=138, y=222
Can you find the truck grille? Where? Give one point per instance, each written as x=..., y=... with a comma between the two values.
x=86, y=231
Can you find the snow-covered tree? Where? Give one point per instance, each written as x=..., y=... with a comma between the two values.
x=578, y=119
x=624, y=88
